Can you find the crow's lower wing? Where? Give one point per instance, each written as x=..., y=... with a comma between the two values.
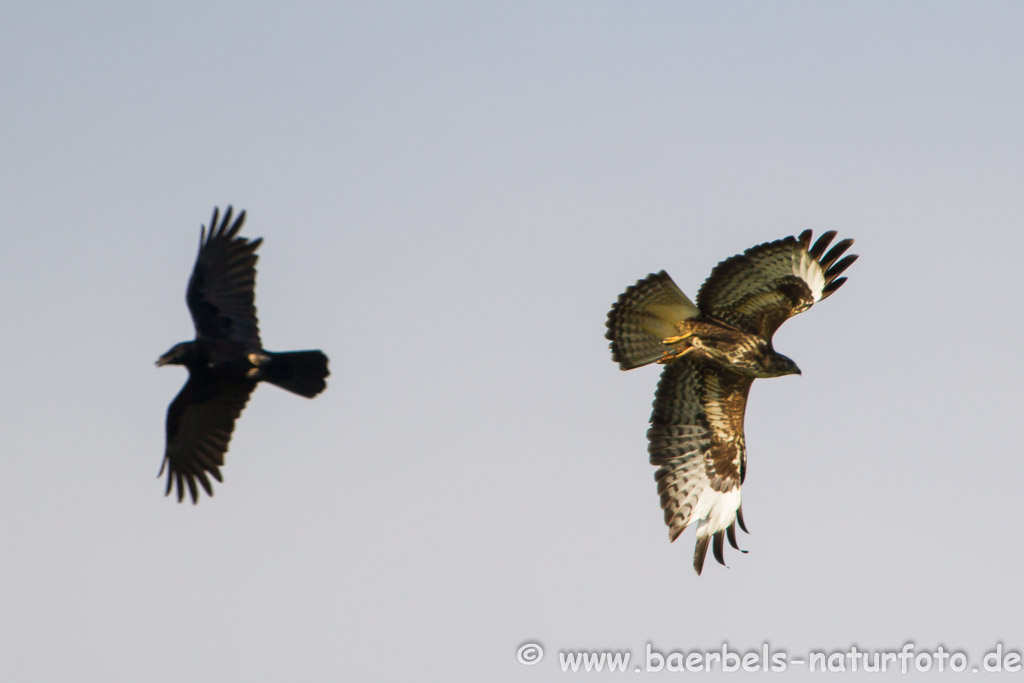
x=200, y=421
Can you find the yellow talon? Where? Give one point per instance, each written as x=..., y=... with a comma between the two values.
x=676, y=340
x=674, y=355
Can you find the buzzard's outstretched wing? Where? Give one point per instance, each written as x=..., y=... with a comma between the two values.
x=644, y=314
x=199, y=425
x=761, y=288
x=221, y=289
x=696, y=440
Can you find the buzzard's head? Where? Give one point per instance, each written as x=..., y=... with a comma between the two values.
x=777, y=365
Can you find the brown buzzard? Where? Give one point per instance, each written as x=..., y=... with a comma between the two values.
x=712, y=352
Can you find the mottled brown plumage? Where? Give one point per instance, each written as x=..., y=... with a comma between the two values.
x=712, y=352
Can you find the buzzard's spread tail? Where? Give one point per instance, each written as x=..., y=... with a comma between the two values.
x=644, y=315
x=301, y=372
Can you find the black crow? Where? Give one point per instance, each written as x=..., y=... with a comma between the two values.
x=226, y=360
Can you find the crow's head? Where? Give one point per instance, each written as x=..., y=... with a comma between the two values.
x=180, y=354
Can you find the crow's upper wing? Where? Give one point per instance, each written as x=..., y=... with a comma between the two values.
x=761, y=288
x=221, y=290
x=199, y=424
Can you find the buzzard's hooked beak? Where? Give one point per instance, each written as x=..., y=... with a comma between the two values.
x=784, y=365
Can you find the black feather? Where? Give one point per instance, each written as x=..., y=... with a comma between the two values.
x=832, y=286
x=805, y=238
x=205, y=481
x=190, y=479
x=834, y=253
x=717, y=546
x=700, y=553
x=822, y=244
x=838, y=268
x=730, y=533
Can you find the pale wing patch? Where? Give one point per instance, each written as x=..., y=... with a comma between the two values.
x=716, y=511
x=807, y=268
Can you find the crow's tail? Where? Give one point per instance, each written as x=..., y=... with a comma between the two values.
x=301, y=372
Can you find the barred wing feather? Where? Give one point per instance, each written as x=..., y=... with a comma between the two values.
x=696, y=441
x=764, y=286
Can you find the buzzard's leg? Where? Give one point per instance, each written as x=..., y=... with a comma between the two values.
x=676, y=340
x=673, y=355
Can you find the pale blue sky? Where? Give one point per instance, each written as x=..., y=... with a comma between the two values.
x=451, y=197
